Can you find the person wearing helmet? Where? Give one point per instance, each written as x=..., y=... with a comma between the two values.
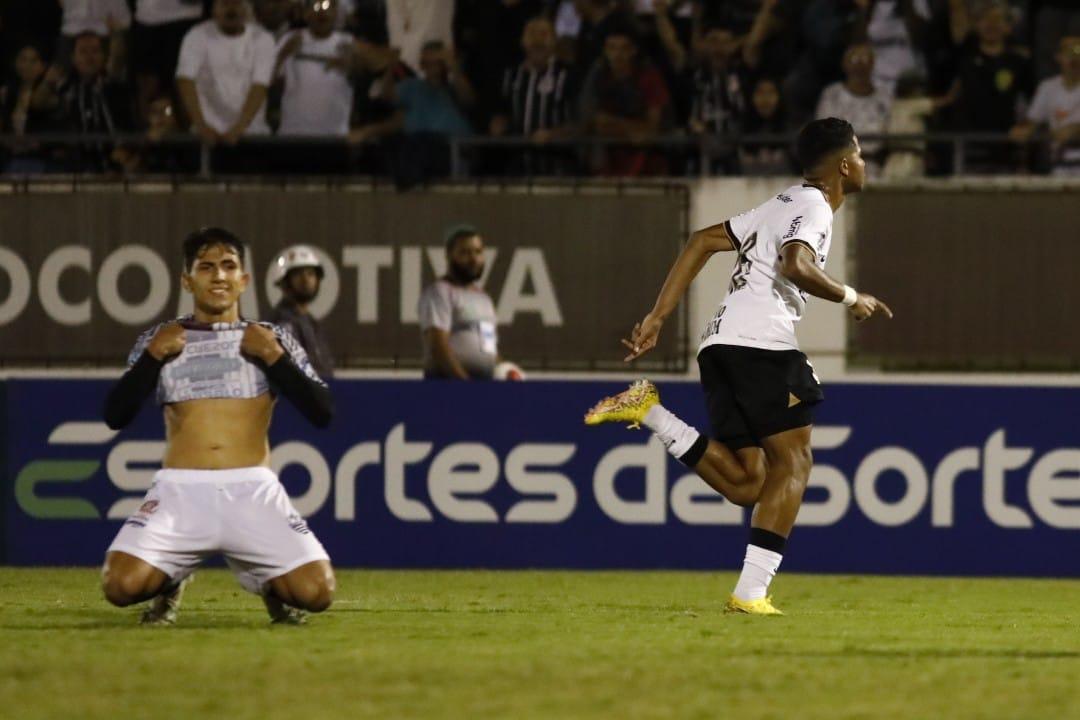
x=299, y=272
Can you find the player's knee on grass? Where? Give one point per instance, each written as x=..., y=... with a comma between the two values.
x=309, y=587
x=126, y=580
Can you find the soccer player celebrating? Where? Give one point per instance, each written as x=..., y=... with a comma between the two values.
x=216, y=376
x=759, y=388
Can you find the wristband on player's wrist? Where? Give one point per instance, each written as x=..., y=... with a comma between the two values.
x=850, y=296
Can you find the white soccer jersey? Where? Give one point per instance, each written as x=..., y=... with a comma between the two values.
x=318, y=96
x=762, y=306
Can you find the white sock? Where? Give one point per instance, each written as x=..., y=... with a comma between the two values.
x=759, y=567
x=673, y=432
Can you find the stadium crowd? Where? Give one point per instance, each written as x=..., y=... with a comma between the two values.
x=392, y=81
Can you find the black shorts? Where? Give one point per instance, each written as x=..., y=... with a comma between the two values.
x=751, y=394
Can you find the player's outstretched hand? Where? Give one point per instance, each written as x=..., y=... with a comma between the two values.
x=260, y=342
x=167, y=342
x=643, y=338
x=867, y=305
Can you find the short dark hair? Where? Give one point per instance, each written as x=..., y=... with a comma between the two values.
x=457, y=233
x=89, y=34
x=819, y=139
x=205, y=237
x=623, y=28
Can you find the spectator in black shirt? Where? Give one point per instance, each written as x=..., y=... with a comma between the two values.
x=598, y=19
x=766, y=116
x=718, y=100
x=715, y=88
x=991, y=81
x=159, y=151
x=18, y=116
x=86, y=103
x=299, y=273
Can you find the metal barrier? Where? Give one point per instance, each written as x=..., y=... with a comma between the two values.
x=704, y=150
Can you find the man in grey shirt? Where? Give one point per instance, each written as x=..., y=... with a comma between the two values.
x=457, y=317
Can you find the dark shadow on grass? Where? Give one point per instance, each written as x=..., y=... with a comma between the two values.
x=191, y=620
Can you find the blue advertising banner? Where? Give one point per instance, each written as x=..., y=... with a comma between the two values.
x=907, y=479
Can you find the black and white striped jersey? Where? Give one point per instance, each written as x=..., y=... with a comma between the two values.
x=538, y=99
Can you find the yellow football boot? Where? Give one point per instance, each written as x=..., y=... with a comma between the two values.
x=629, y=406
x=761, y=606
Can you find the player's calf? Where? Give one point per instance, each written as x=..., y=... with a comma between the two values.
x=739, y=479
x=781, y=496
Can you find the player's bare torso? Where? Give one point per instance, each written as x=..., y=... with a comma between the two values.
x=218, y=433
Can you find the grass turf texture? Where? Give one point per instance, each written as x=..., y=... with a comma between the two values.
x=548, y=644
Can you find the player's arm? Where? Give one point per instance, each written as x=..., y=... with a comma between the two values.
x=310, y=395
x=127, y=395
x=798, y=264
x=446, y=363
x=703, y=244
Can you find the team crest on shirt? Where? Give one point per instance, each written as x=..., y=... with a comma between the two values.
x=1004, y=79
x=149, y=507
x=298, y=523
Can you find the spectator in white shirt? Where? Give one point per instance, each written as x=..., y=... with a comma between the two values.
x=160, y=27
x=858, y=101
x=104, y=18
x=225, y=68
x=316, y=64
x=1056, y=106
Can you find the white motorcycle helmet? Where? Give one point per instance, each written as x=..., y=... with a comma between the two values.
x=293, y=258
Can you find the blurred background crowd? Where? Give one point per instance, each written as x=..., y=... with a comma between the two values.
x=534, y=87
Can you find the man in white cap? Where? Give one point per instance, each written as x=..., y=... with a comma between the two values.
x=299, y=273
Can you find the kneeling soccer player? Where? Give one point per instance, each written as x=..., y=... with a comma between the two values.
x=216, y=376
x=759, y=388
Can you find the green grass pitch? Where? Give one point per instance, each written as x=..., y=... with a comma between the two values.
x=548, y=645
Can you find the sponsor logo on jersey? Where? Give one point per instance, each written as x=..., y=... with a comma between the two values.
x=793, y=228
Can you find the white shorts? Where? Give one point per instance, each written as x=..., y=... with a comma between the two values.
x=242, y=513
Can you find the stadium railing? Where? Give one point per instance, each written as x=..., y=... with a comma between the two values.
x=698, y=155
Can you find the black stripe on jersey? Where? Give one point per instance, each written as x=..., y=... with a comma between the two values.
x=809, y=247
x=731, y=234
x=537, y=100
